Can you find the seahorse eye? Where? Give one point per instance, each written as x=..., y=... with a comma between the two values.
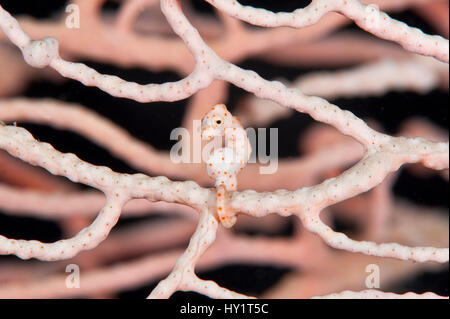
x=218, y=122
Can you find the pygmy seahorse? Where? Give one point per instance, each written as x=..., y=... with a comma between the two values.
x=225, y=163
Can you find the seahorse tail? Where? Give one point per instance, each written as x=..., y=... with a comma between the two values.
x=226, y=220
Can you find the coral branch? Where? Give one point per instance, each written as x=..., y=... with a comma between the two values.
x=368, y=17
x=317, y=180
x=371, y=294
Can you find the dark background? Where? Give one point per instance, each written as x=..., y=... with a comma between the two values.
x=152, y=122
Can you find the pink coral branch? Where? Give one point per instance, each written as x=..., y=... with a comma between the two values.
x=368, y=17
x=372, y=294
x=384, y=154
x=119, y=188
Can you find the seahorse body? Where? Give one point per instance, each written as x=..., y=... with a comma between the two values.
x=225, y=163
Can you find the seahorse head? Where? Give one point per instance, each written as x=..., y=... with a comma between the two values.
x=215, y=121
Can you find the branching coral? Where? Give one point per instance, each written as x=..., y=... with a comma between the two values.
x=378, y=155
